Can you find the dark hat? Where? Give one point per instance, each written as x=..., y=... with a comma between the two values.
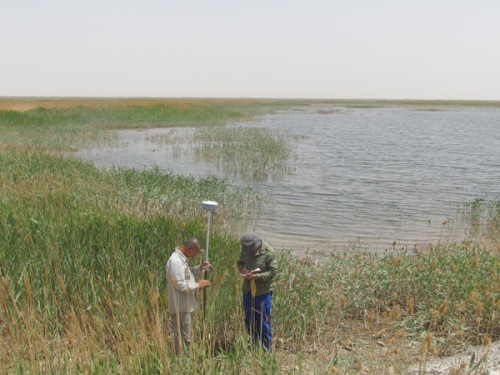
x=250, y=242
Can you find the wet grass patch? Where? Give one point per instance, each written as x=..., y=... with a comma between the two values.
x=247, y=151
x=253, y=152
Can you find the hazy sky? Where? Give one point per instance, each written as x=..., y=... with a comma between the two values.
x=393, y=49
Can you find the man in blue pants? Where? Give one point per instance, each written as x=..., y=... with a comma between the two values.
x=258, y=265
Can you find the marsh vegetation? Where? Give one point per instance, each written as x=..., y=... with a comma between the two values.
x=82, y=284
x=245, y=151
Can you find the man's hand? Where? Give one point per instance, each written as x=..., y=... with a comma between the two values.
x=205, y=265
x=203, y=284
x=249, y=275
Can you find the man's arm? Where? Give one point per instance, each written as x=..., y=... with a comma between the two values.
x=196, y=270
x=176, y=276
x=241, y=263
x=272, y=269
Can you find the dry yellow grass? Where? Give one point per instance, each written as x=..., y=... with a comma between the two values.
x=27, y=103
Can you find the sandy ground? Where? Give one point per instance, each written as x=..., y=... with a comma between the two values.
x=487, y=361
x=366, y=355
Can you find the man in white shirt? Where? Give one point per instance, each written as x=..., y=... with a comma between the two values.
x=182, y=287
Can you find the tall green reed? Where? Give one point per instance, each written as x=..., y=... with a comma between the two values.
x=447, y=288
x=254, y=152
x=83, y=262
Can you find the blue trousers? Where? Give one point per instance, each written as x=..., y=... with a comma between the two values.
x=258, y=318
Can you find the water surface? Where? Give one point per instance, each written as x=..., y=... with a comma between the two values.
x=365, y=177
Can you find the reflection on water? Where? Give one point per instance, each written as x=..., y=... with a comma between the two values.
x=366, y=177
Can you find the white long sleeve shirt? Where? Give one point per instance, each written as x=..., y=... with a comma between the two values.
x=181, y=284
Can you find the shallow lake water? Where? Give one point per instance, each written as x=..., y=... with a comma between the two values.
x=364, y=178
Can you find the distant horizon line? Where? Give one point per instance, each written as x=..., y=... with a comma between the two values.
x=2, y=97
